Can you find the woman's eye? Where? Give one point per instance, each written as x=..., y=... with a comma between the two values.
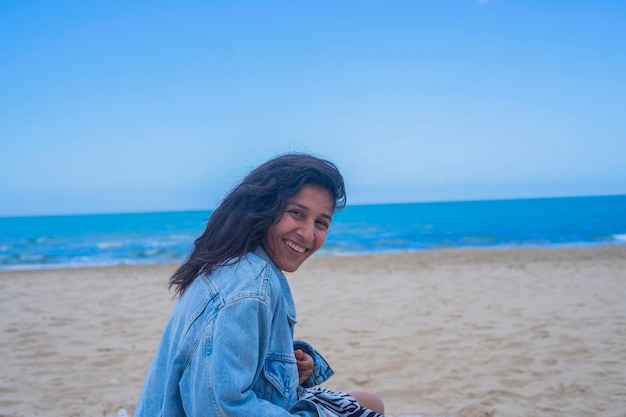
x=297, y=213
x=324, y=224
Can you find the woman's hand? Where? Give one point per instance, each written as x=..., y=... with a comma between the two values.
x=305, y=365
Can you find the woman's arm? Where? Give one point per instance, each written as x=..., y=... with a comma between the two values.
x=226, y=365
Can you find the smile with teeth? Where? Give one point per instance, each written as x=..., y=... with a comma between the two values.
x=294, y=246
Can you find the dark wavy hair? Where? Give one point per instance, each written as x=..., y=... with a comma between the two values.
x=240, y=222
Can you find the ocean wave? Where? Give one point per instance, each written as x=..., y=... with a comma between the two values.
x=620, y=237
x=70, y=264
x=29, y=260
x=36, y=240
x=157, y=253
x=111, y=245
x=180, y=237
x=167, y=241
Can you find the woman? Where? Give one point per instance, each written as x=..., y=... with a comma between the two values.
x=228, y=348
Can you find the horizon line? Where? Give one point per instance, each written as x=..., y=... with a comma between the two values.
x=359, y=204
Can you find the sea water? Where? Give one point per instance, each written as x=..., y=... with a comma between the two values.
x=146, y=238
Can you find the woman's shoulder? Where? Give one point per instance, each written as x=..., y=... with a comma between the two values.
x=251, y=275
x=249, y=265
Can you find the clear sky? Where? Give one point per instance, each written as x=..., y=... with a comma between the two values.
x=115, y=106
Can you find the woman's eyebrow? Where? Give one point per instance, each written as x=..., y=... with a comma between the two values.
x=295, y=203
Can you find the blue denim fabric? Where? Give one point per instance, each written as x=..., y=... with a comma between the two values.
x=227, y=349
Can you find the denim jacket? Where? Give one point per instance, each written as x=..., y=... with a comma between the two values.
x=228, y=349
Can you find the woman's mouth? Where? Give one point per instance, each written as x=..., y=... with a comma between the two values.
x=294, y=246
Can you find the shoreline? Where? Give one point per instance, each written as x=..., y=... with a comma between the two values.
x=40, y=267
x=462, y=332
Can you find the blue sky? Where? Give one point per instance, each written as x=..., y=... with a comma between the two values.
x=115, y=106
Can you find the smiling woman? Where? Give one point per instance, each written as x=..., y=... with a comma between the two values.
x=228, y=347
x=302, y=229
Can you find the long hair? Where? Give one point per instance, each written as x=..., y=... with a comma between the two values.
x=240, y=222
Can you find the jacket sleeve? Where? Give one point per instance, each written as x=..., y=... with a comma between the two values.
x=321, y=369
x=219, y=378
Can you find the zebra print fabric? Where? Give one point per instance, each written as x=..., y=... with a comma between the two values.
x=339, y=403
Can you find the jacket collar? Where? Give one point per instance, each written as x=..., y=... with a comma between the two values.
x=286, y=290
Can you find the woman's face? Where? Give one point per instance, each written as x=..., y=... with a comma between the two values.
x=302, y=228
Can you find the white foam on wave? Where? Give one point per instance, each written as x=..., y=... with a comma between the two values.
x=110, y=245
x=621, y=237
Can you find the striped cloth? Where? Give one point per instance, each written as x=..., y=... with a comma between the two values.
x=339, y=403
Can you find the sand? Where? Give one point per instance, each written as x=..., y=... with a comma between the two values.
x=533, y=332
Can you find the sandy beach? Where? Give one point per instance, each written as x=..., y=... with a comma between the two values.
x=532, y=332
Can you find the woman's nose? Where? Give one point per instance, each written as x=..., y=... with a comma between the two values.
x=307, y=231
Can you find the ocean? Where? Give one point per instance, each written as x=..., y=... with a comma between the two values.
x=148, y=238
